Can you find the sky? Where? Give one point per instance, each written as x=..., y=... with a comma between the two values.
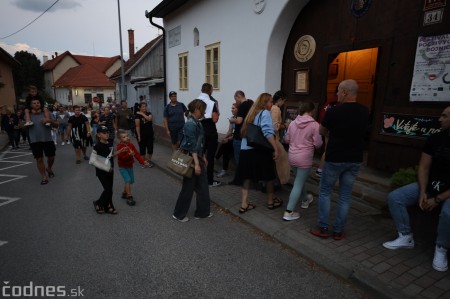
x=83, y=27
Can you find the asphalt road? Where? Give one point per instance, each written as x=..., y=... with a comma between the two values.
x=51, y=240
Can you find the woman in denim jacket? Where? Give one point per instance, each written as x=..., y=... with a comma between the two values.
x=192, y=143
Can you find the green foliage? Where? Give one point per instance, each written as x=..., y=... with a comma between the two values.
x=28, y=73
x=404, y=176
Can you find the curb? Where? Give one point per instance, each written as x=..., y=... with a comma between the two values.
x=309, y=249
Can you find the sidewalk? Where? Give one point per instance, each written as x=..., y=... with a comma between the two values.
x=359, y=257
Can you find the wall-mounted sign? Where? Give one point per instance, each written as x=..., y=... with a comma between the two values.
x=433, y=17
x=304, y=48
x=432, y=4
x=290, y=113
x=302, y=81
x=431, y=80
x=175, y=37
x=360, y=7
x=409, y=125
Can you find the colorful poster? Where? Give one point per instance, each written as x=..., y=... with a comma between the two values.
x=431, y=78
x=409, y=125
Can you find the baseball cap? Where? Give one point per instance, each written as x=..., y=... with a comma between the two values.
x=102, y=129
x=172, y=93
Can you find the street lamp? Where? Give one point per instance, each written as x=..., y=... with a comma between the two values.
x=122, y=85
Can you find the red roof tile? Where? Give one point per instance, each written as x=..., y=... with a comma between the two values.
x=52, y=63
x=85, y=76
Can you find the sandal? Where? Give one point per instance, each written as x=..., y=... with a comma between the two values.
x=50, y=174
x=277, y=202
x=130, y=201
x=249, y=207
x=97, y=208
x=124, y=195
x=44, y=182
x=111, y=211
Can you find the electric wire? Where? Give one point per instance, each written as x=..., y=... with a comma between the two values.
x=31, y=21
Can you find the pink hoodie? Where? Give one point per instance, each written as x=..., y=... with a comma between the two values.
x=303, y=137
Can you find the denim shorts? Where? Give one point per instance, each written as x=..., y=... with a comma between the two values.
x=176, y=134
x=127, y=174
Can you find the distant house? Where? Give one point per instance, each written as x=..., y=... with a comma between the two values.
x=143, y=76
x=78, y=79
x=7, y=92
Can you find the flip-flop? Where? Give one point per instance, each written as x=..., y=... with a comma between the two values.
x=249, y=207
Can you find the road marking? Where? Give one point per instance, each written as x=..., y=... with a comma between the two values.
x=6, y=200
x=14, y=177
x=3, y=243
x=14, y=155
x=18, y=163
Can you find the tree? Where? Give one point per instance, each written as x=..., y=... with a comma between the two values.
x=28, y=73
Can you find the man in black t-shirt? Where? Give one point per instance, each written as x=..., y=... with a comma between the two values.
x=430, y=191
x=244, y=107
x=346, y=126
x=78, y=129
x=210, y=130
x=108, y=119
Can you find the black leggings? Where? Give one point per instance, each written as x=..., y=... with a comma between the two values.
x=105, y=200
x=146, y=145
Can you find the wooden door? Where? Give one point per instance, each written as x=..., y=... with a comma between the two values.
x=359, y=65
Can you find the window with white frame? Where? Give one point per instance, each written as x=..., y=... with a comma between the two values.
x=183, y=70
x=212, y=65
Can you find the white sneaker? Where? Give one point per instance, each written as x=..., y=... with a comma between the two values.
x=403, y=241
x=209, y=216
x=215, y=184
x=440, y=262
x=185, y=219
x=222, y=173
x=29, y=123
x=310, y=199
x=290, y=216
x=63, y=143
x=68, y=142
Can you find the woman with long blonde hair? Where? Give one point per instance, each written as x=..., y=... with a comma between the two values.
x=258, y=164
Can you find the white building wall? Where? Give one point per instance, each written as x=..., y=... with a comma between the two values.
x=248, y=59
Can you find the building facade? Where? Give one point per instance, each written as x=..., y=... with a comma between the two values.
x=398, y=51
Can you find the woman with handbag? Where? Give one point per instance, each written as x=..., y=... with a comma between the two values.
x=257, y=162
x=192, y=144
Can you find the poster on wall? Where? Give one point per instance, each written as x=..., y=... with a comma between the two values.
x=409, y=125
x=431, y=78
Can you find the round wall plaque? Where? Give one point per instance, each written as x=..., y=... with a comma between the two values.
x=304, y=48
x=259, y=5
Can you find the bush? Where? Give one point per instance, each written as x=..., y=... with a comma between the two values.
x=404, y=176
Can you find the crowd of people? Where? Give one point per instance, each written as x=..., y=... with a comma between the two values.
x=342, y=129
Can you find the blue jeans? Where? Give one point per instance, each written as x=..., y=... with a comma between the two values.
x=346, y=173
x=237, y=149
x=298, y=190
x=401, y=198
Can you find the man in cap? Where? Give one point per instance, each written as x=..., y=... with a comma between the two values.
x=174, y=114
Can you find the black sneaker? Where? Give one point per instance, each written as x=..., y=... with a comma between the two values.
x=321, y=232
